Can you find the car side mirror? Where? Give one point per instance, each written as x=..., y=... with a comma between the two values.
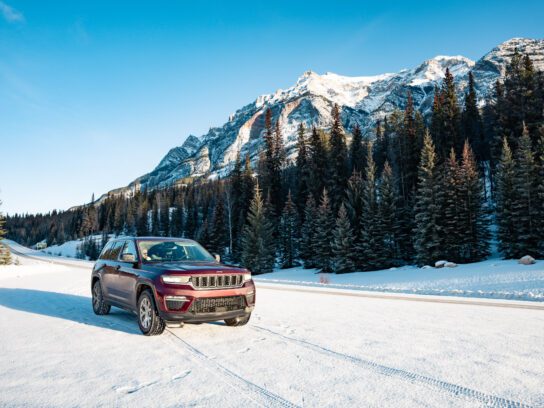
x=128, y=258
x=217, y=257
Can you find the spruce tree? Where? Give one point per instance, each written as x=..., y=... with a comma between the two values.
x=472, y=123
x=452, y=213
x=343, y=244
x=317, y=152
x=369, y=246
x=354, y=201
x=217, y=241
x=427, y=207
x=357, y=153
x=473, y=220
x=322, y=247
x=289, y=247
x=142, y=223
x=257, y=239
x=308, y=232
x=386, y=217
x=505, y=198
x=338, y=160
x=302, y=169
x=451, y=136
x=525, y=199
x=380, y=147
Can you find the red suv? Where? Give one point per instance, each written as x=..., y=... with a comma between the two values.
x=169, y=281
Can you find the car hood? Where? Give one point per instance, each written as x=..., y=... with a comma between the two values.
x=193, y=267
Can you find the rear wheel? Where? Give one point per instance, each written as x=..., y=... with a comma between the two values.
x=238, y=321
x=100, y=307
x=149, y=320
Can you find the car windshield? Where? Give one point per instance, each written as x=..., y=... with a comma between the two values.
x=173, y=251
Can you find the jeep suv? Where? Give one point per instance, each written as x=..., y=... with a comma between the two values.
x=169, y=281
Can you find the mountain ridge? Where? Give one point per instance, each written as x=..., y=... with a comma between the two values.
x=363, y=100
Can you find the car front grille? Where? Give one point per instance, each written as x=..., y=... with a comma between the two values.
x=217, y=281
x=219, y=304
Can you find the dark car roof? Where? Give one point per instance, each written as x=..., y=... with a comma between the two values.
x=152, y=239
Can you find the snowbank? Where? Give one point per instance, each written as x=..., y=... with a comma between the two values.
x=496, y=279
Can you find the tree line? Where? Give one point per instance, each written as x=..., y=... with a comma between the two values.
x=418, y=190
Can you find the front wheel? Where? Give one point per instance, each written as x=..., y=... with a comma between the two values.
x=149, y=320
x=100, y=307
x=238, y=321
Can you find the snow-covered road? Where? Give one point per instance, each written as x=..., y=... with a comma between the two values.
x=301, y=348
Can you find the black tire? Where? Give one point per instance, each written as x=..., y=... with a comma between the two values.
x=151, y=324
x=100, y=306
x=238, y=321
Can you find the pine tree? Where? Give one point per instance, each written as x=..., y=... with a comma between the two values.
x=318, y=163
x=524, y=209
x=450, y=221
x=381, y=146
x=217, y=241
x=451, y=116
x=289, y=247
x=505, y=202
x=343, y=244
x=358, y=151
x=323, y=234
x=277, y=166
x=354, y=201
x=369, y=245
x=472, y=123
x=308, y=233
x=386, y=217
x=164, y=217
x=257, y=239
x=473, y=221
x=427, y=207
x=338, y=160
x=142, y=224
x=303, y=170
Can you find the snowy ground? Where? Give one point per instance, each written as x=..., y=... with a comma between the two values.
x=299, y=349
x=496, y=279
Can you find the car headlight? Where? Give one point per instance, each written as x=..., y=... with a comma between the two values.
x=175, y=279
x=247, y=277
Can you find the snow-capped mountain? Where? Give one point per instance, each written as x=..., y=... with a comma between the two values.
x=363, y=101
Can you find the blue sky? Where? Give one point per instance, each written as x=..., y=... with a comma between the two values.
x=94, y=93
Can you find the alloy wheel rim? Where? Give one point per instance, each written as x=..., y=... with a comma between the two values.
x=145, y=313
x=96, y=297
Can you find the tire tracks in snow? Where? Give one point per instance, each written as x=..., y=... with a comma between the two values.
x=488, y=400
x=254, y=392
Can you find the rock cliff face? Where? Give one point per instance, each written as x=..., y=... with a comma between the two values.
x=363, y=100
